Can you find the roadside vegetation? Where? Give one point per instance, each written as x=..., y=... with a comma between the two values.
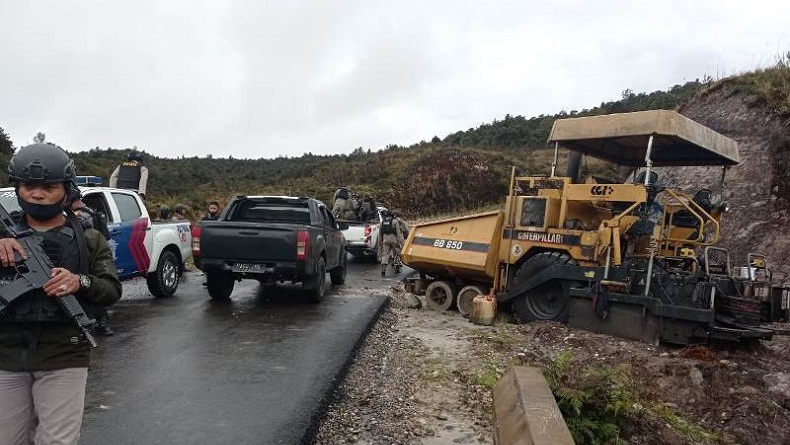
x=600, y=404
x=770, y=86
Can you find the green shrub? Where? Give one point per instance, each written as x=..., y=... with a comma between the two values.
x=595, y=403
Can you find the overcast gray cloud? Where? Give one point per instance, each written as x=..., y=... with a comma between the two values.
x=254, y=79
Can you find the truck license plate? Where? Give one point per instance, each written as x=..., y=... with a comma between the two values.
x=248, y=267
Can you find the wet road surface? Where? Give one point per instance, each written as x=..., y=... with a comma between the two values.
x=188, y=370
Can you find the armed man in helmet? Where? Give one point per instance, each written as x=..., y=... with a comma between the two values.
x=44, y=357
x=131, y=175
x=404, y=233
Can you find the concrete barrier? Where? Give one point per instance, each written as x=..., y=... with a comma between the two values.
x=525, y=412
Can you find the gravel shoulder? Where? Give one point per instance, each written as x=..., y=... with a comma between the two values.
x=423, y=377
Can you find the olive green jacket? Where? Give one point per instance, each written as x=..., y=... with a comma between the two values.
x=40, y=346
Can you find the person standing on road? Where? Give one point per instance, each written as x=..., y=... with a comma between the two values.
x=44, y=357
x=403, y=233
x=213, y=212
x=131, y=175
x=390, y=234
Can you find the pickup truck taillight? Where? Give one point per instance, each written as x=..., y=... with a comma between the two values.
x=302, y=244
x=196, y=241
x=368, y=229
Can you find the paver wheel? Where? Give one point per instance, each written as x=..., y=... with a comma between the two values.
x=440, y=295
x=466, y=296
x=550, y=300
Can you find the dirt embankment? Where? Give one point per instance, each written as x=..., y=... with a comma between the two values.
x=759, y=216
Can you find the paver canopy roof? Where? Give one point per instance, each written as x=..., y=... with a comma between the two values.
x=623, y=139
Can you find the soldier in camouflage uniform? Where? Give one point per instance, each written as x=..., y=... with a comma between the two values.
x=340, y=202
x=403, y=233
x=350, y=209
x=390, y=236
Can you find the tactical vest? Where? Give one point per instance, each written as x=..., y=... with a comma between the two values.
x=388, y=226
x=66, y=247
x=129, y=175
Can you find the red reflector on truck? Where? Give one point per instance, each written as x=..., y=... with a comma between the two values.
x=302, y=244
x=368, y=230
x=195, y=240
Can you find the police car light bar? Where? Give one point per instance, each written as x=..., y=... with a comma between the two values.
x=89, y=181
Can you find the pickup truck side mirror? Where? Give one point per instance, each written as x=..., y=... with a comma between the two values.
x=341, y=225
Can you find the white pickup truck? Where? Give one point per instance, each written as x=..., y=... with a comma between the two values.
x=363, y=237
x=141, y=247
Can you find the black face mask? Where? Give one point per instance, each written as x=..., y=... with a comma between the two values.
x=41, y=212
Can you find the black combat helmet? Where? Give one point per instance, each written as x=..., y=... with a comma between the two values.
x=135, y=155
x=42, y=163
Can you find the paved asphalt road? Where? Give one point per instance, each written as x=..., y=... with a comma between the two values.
x=188, y=370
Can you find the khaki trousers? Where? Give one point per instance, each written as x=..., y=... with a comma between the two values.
x=389, y=247
x=42, y=407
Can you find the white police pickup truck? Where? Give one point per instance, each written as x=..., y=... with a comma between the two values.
x=141, y=247
x=363, y=238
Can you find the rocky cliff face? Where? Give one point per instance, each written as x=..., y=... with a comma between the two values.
x=759, y=217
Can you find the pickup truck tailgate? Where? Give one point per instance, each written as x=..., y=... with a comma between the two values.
x=249, y=241
x=356, y=232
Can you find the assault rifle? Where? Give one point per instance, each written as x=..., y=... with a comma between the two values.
x=34, y=272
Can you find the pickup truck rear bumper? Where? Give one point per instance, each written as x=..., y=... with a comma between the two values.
x=360, y=248
x=295, y=271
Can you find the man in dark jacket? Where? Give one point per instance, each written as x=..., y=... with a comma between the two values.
x=213, y=212
x=44, y=357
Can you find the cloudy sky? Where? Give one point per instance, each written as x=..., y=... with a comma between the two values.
x=253, y=79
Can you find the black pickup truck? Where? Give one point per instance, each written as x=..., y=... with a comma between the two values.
x=272, y=239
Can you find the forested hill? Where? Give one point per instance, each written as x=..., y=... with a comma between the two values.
x=462, y=171
x=516, y=133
